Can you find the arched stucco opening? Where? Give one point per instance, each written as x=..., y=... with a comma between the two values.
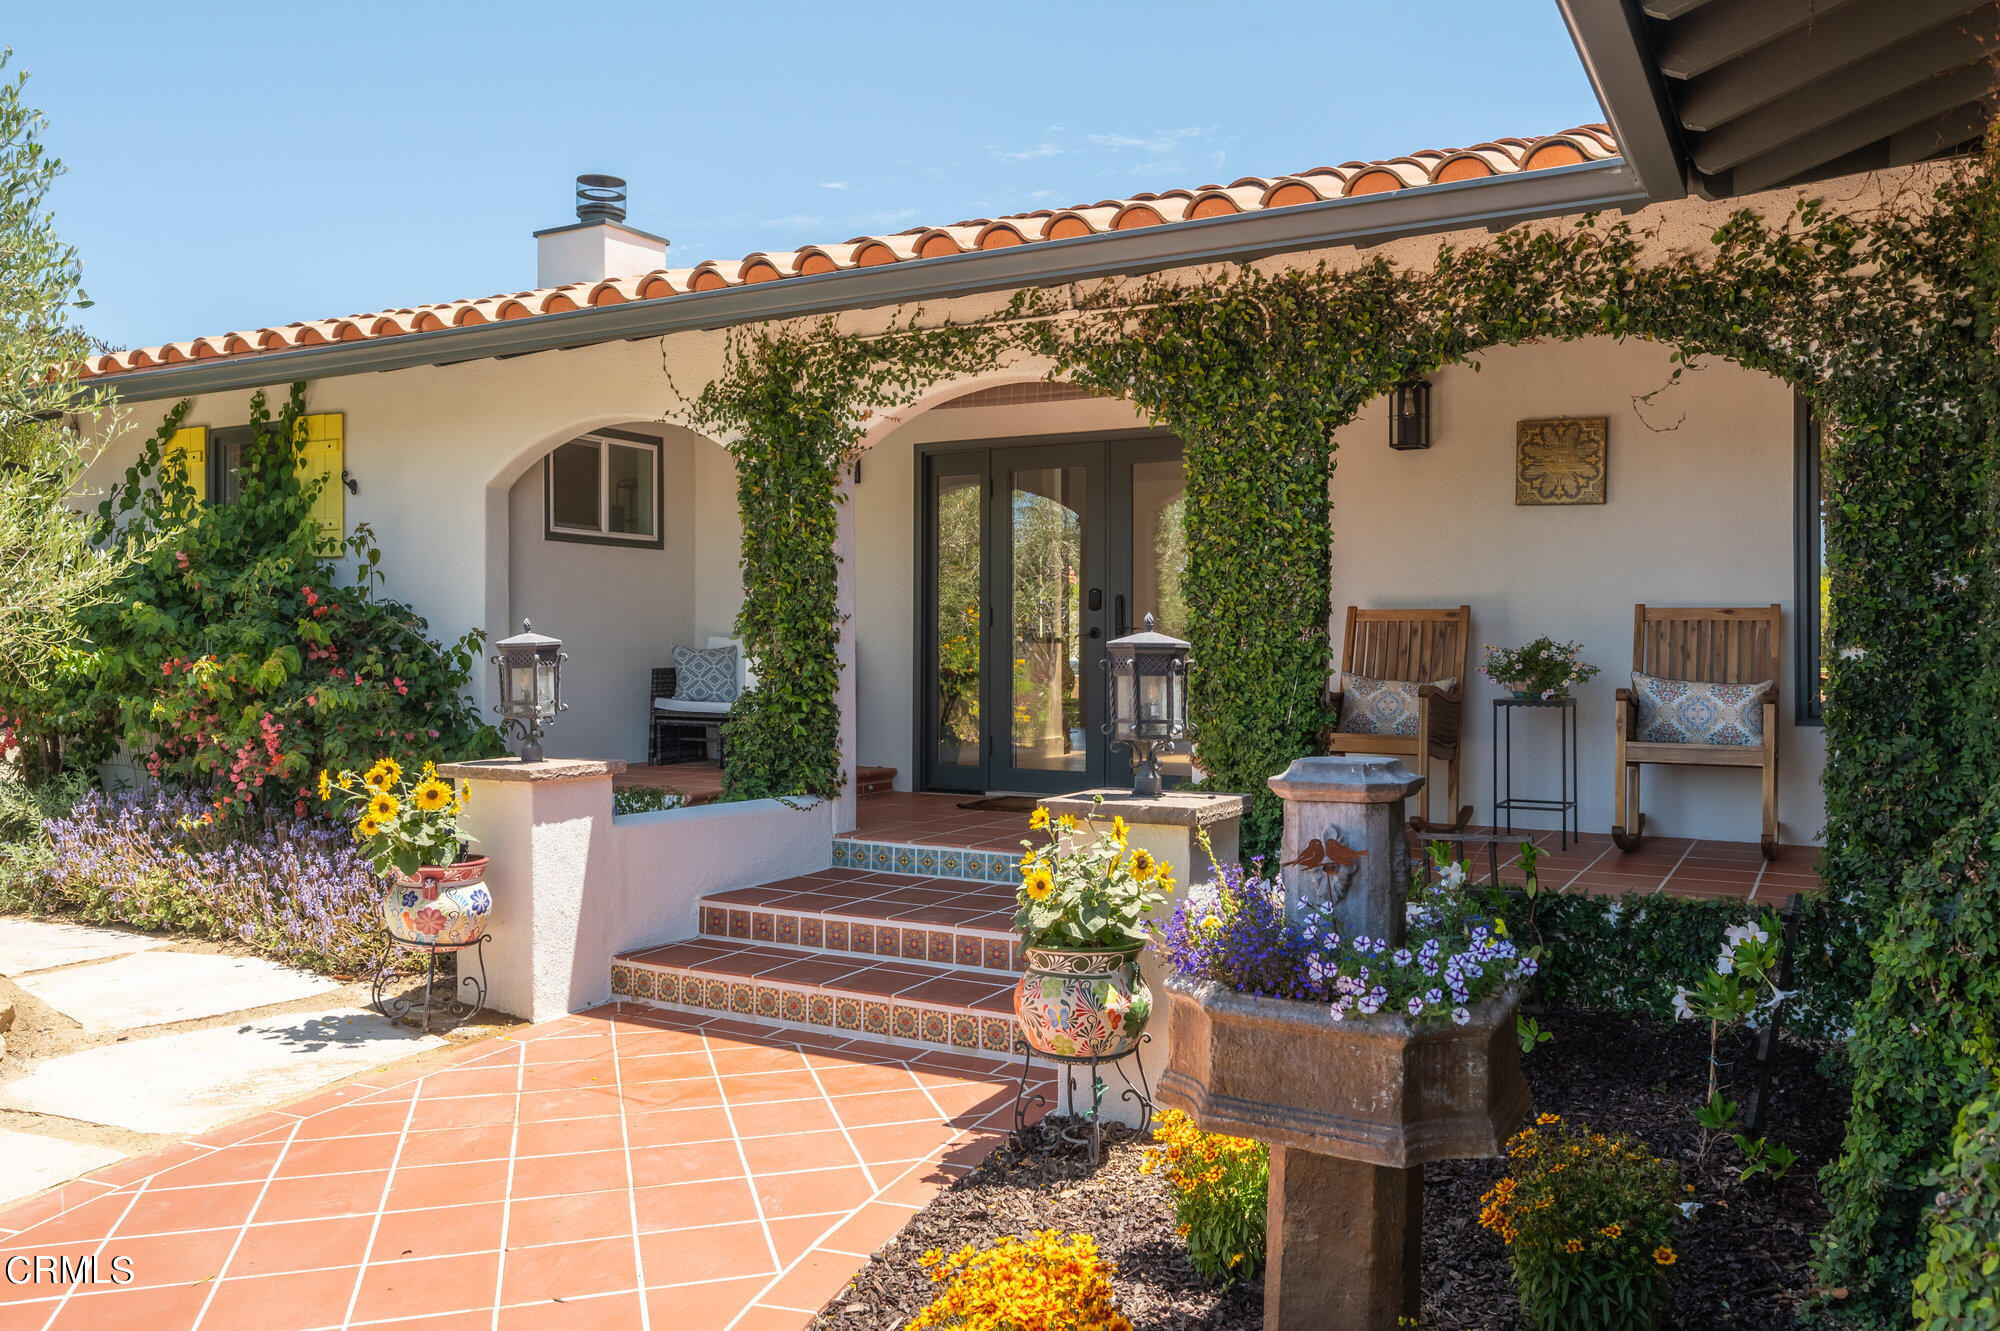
x=1015, y=404
x=621, y=538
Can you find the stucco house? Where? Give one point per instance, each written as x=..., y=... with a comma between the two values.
x=519, y=449
x=522, y=456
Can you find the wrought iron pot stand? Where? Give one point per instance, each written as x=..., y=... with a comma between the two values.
x=457, y=1010
x=1136, y=1091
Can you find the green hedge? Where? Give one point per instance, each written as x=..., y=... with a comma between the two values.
x=1629, y=954
x=1960, y=1285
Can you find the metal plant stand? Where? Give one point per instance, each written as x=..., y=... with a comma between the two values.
x=457, y=1011
x=1136, y=1091
x=1564, y=807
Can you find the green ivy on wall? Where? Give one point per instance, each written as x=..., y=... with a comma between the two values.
x=794, y=404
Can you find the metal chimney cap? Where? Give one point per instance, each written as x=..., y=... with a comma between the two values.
x=600, y=198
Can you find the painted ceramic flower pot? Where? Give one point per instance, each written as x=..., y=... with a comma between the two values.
x=1383, y=1089
x=444, y=908
x=1082, y=1002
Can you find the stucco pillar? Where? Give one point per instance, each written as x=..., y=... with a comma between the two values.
x=1170, y=828
x=845, y=693
x=1344, y=844
x=545, y=826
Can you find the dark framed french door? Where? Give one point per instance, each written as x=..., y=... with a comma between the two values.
x=1032, y=554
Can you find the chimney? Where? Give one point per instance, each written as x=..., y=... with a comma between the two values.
x=597, y=244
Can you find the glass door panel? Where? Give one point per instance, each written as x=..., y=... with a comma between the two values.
x=958, y=604
x=1159, y=554
x=1045, y=687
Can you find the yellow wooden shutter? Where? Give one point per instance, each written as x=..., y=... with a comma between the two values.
x=186, y=455
x=322, y=452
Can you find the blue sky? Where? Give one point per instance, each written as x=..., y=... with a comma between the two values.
x=234, y=165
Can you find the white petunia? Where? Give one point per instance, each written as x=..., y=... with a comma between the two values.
x=1452, y=876
x=1681, y=1008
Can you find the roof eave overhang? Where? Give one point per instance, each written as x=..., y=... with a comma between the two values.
x=1610, y=38
x=1493, y=202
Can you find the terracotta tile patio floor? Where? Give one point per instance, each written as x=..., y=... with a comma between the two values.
x=619, y=1168
x=1679, y=865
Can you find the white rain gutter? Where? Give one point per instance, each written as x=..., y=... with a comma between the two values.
x=1492, y=202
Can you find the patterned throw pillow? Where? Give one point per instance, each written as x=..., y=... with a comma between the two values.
x=707, y=675
x=1382, y=706
x=1693, y=711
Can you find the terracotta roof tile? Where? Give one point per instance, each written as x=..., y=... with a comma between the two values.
x=1585, y=143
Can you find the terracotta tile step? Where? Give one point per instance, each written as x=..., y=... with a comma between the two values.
x=872, y=781
x=941, y=1006
x=876, y=915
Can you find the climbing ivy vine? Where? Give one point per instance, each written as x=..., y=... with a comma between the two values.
x=1884, y=320
x=794, y=404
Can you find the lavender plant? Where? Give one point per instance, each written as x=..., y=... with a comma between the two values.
x=296, y=890
x=1233, y=930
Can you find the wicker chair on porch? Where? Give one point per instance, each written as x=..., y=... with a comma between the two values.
x=665, y=720
x=1410, y=646
x=668, y=714
x=1735, y=646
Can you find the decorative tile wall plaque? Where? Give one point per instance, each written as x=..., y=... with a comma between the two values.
x=1560, y=461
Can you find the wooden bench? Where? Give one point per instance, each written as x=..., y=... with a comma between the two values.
x=1413, y=646
x=1722, y=646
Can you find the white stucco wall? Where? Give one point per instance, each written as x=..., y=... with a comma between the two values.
x=618, y=609
x=1699, y=512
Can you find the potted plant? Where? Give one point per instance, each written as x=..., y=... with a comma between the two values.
x=1390, y=1052
x=1544, y=669
x=409, y=833
x=1083, y=902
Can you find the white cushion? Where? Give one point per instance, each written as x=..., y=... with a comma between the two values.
x=746, y=675
x=682, y=705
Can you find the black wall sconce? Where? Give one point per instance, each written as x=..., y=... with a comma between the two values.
x=1410, y=414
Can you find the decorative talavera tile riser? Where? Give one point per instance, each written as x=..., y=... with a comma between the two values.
x=973, y=866
x=851, y=936
x=957, y=1029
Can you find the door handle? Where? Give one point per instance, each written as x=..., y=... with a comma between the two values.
x=1118, y=614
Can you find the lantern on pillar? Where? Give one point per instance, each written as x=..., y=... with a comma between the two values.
x=1148, y=703
x=530, y=666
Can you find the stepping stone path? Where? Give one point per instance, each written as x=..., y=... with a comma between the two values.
x=191, y=1081
x=29, y=1163
x=111, y=982
x=39, y=945
x=154, y=988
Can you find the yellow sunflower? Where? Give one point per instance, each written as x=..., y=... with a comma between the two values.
x=382, y=805
x=431, y=795
x=1144, y=866
x=385, y=773
x=1119, y=831
x=1038, y=883
x=325, y=786
x=1039, y=819
x=1067, y=822
x=345, y=781
x=366, y=828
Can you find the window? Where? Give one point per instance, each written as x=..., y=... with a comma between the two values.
x=212, y=463
x=228, y=451
x=605, y=488
x=1810, y=601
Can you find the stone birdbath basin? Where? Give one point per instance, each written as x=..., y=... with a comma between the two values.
x=1353, y=1108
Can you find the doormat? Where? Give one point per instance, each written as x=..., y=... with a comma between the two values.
x=1003, y=804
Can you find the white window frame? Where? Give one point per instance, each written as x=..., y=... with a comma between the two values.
x=601, y=534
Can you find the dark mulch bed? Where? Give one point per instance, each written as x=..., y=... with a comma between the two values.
x=1745, y=1259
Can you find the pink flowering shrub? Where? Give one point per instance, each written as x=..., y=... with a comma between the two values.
x=234, y=655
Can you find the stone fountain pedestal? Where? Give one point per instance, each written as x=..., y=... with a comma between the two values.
x=1352, y=1109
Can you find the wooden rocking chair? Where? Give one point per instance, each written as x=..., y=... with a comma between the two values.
x=1412, y=645
x=1730, y=646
